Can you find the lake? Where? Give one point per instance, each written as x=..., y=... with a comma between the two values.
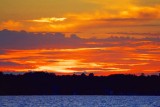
x=79, y=101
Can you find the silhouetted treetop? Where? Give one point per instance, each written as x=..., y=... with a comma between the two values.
x=91, y=75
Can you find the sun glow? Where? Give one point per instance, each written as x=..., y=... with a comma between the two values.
x=60, y=66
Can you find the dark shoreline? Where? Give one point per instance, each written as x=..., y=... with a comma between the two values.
x=42, y=83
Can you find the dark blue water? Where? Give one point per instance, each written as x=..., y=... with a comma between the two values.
x=79, y=101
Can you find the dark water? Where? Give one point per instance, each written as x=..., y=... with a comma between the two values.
x=79, y=101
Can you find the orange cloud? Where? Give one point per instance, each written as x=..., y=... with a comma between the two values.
x=48, y=20
x=12, y=25
x=141, y=12
x=99, y=21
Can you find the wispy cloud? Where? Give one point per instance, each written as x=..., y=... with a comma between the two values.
x=48, y=20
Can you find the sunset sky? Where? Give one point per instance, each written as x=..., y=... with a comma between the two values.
x=99, y=36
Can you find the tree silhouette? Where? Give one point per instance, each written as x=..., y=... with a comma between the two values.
x=83, y=75
x=43, y=83
x=91, y=75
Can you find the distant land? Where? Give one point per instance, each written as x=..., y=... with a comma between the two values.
x=43, y=83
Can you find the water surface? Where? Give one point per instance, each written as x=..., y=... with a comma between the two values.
x=79, y=101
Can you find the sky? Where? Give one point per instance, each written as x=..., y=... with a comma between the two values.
x=100, y=36
x=85, y=16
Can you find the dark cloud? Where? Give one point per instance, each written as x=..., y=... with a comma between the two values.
x=25, y=40
x=2, y=52
x=7, y=63
x=14, y=73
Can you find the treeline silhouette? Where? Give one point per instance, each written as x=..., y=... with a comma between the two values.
x=42, y=83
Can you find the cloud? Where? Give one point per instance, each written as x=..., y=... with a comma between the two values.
x=4, y=64
x=126, y=35
x=12, y=66
x=144, y=12
x=48, y=20
x=45, y=24
x=12, y=25
x=2, y=51
x=25, y=40
x=98, y=21
x=83, y=16
x=130, y=18
x=55, y=52
x=146, y=2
